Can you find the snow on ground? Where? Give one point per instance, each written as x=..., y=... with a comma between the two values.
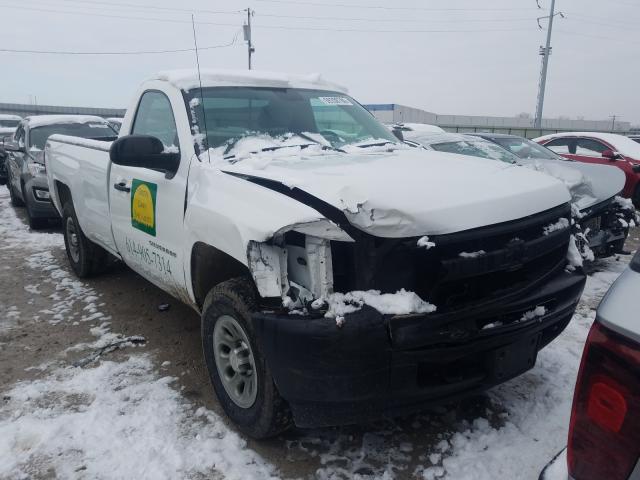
x=107, y=420
x=123, y=419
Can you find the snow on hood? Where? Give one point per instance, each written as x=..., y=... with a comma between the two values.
x=188, y=79
x=410, y=192
x=589, y=184
x=42, y=120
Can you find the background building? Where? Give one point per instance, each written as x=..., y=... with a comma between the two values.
x=24, y=110
x=522, y=125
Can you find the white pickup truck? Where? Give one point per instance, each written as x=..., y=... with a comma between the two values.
x=340, y=274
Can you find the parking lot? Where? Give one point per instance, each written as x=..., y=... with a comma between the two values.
x=73, y=408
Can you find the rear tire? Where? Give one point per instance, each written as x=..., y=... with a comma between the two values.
x=239, y=373
x=86, y=258
x=15, y=199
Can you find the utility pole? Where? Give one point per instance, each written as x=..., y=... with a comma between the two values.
x=545, y=52
x=247, y=35
x=613, y=122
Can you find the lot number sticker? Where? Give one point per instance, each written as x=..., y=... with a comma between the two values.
x=335, y=100
x=143, y=206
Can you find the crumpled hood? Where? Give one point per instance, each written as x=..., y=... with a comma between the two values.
x=414, y=192
x=589, y=184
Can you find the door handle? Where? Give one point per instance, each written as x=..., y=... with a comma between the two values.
x=122, y=186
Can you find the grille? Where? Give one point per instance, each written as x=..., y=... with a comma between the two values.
x=515, y=255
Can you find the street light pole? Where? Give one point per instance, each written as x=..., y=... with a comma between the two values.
x=247, y=35
x=545, y=52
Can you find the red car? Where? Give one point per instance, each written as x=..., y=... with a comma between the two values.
x=605, y=148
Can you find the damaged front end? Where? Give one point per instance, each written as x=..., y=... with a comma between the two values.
x=483, y=282
x=603, y=228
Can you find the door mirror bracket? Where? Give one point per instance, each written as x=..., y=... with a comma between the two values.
x=144, y=151
x=610, y=154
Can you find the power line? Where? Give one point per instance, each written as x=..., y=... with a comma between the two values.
x=384, y=7
x=141, y=52
x=106, y=15
x=387, y=20
x=367, y=30
x=154, y=7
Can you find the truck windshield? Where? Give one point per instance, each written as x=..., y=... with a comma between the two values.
x=524, y=148
x=38, y=135
x=476, y=149
x=331, y=118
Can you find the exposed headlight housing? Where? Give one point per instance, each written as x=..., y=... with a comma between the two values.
x=41, y=194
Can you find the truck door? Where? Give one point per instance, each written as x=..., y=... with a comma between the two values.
x=147, y=208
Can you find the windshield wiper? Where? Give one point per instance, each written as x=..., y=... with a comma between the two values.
x=377, y=144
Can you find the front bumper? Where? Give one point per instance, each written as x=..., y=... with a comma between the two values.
x=38, y=207
x=380, y=365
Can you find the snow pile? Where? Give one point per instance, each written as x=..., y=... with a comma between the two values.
x=399, y=303
x=117, y=420
x=561, y=224
x=477, y=254
x=425, y=243
x=15, y=234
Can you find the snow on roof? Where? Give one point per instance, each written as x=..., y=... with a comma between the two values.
x=188, y=79
x=622, y=144
x=4, y=116
x=423, y=127
x=41, y=120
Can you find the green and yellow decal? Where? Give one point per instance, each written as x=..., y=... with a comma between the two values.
x=143, y=206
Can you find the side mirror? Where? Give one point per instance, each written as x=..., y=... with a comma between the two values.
x=610, y=154
x=14, y=147
x=398, y=134
x=144, y=151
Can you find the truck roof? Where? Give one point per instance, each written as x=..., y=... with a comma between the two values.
x=5, y=116
x=41, y=120
x=188, y=79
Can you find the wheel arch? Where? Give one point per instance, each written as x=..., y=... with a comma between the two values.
x=211, y=266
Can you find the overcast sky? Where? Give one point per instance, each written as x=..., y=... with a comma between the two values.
x=447, y=56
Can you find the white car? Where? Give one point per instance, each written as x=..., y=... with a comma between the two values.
x=339, y=273
x=603, y=218
x=604, y=431
x=8, y=124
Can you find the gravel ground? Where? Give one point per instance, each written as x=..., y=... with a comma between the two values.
x=148, y=411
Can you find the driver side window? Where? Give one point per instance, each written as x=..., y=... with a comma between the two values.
x=155, y=117
x=19, y=136
x=591, y=148
x=562, y=146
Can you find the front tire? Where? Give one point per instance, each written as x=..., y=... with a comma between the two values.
x=34, y=222
x=86, y=258
x=238, y=370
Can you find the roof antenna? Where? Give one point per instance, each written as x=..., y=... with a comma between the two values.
x=204, y=113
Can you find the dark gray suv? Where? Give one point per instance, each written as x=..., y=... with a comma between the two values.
x=26, y=174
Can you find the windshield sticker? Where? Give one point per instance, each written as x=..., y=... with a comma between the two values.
x=143, y=206
x=335, y=100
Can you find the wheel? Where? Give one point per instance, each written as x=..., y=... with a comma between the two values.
x=238, y=371
x=15, y=199
x=636, y=197
x=34, y=222
x=86, y=258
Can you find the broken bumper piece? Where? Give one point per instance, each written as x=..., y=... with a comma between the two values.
x=381, y=365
